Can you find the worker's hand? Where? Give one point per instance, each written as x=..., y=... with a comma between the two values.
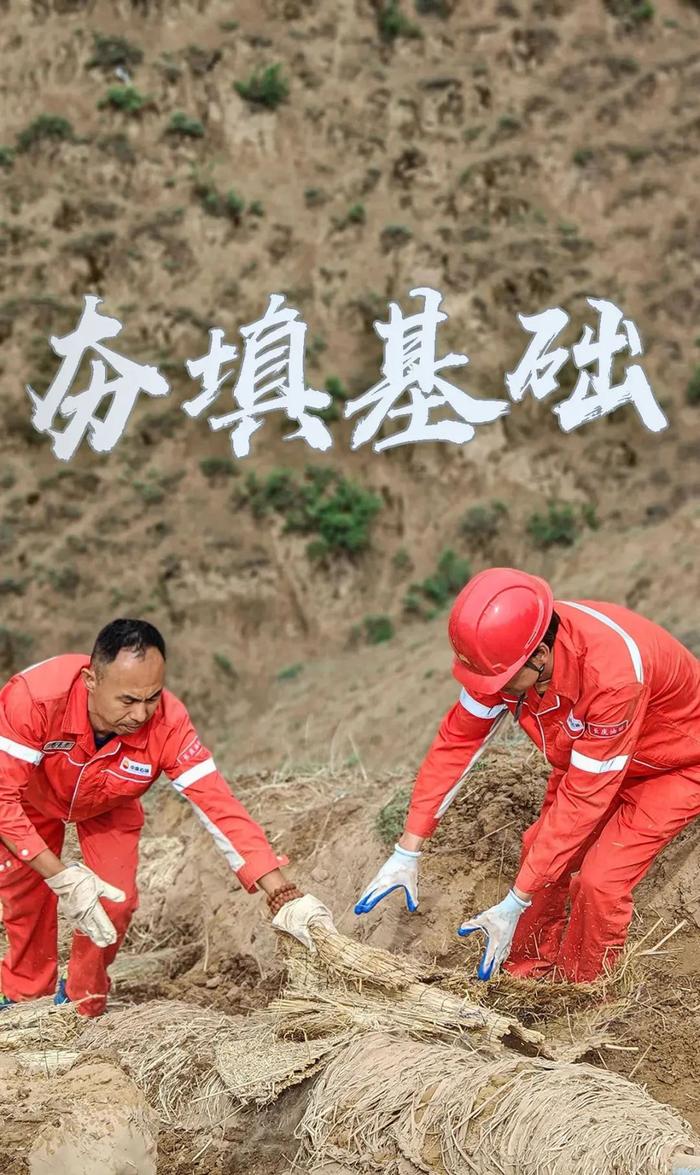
x=299, y=915
x=400, y=871
x=498, y=924
x=79, y=891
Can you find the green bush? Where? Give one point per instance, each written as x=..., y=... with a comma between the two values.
x=692, y=392
x=290, y=672
x=401, y=560
x=125, y=98
x=181, y=124
x=630, y=12
x=215, y=204
x=555, y=528
x=7, y=157
x=264, y=88
x=395, y=235
x=392, y=817
x=110, y=51
x=217, y=467
x=482, y=522
x=356, y=214
x=583, y=156
x=393, y=23
x=339, y=395
x=45, y=127
x=323, y=503
x=378, y=629
x=427, y=598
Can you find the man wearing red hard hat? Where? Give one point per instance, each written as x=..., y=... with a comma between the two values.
x=613, y=702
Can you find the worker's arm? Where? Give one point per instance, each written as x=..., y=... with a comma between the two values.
x=193, y=773
x=22, y=736
x=458, y=744
x=78, y=889
x=600, y=759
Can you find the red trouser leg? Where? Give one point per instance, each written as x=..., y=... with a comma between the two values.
x=651, y=813
x=109, y=845
x=29, y=914
x=538, y=935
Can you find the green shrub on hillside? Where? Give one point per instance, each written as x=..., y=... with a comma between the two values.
x=339, y=395
x=110, y=51
x=124, y=98
x=427, y=598
x=393, y=23
x=559, y=527
x=324, y=503
x=692, y=392
x=378, y=629
x=45, y=127
x=264, y=88
x=181, y=124
x=481, y=522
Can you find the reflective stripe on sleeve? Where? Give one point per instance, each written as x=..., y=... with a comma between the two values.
x=20, y=751
x=478, y=709
x=475, y=757
x=234, y=858
x=193, y=774
x=598, y=766
x=632, y=646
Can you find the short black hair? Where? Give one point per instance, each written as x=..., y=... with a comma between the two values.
x=135, y=635
x=552, y=629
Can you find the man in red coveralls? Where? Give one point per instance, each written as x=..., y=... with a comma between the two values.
x=613, y=702
x=81, y=740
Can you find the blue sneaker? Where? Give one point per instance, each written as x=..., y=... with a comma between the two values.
x=6, y=1003
x=61, y=997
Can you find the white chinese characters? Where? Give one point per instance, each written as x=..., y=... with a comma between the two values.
x=267, y=375
x=82, y=409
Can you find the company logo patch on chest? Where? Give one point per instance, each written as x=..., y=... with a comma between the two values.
x=575, y=725
x=59, y=744
x=145, y=770
x=607, y=731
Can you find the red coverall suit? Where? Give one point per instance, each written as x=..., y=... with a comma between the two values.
x=52, y=774
x=620, y=727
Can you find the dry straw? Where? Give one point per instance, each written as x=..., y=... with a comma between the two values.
x=169, y=1049
x=454, y=1112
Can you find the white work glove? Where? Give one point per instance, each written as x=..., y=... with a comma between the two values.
x=296, y=918
x=79, y=891
x=400, y=871
x=498, y=924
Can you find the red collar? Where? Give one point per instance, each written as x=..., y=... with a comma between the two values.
x=566, y=678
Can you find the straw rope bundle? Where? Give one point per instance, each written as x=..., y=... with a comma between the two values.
x=385, y=1099
x=317, y=994
x=258, y=1064
x=39, y=1024
x=169, y=1048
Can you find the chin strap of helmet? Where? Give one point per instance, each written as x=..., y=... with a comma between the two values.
x=521, y=697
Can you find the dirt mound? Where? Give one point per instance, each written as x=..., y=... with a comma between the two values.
x=93, y=1119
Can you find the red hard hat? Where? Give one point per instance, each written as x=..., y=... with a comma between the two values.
x=496, y=623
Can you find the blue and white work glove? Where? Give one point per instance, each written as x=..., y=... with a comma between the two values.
x=498, y=924
x=400, y=871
